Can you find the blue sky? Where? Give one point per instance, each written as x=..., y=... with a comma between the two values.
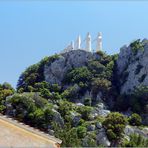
x=32, y=30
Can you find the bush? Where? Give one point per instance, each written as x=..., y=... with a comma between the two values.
x=84, y=111
x=71, y=93
x=102, y=85
x=68, y=135
x=114, y=125
x=77, y=75
x=135, y=120
x=136, y=45
x=81, y=131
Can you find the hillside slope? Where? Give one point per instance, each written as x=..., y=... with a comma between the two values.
x=77, y=96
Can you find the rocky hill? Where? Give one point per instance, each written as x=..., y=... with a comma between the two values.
x=77, y=96
x=132, y=66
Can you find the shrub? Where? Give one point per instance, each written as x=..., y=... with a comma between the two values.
x=114, y=125
x=135, y=119
x=136, y=45
x=102, y=85
x=77, y=75
x=71, y=92
x=81, y=131
x=84, y=111
x=96, y=67
x=68, y=135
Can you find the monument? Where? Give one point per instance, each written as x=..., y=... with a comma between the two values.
x=99, y=42
x=78, y=43
x=88, y=44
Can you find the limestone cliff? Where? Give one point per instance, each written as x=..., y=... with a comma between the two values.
x=132, y=66
x=66, y=61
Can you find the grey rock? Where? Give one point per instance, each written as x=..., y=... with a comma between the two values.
x=57, y=118
x=102, y=138
x=55, y=72
x=135, y=130
x=127, y=64
x=100, y=111
x=75, y=117
x=79, y=104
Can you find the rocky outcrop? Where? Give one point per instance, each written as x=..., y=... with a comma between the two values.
x=100, y=110
x=132, y=66
x=135, y=130
x=57, y=118
x=67, y=61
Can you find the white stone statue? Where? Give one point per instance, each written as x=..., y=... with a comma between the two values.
x=78, y=43
x=88, y=42
x=99, y=42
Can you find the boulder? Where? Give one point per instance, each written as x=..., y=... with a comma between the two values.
x=57, y=118
x=102, y=138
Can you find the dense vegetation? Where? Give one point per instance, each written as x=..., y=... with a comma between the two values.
x=53, y=109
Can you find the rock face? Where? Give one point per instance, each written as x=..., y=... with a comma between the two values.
x=132, y=67
x=73, y=59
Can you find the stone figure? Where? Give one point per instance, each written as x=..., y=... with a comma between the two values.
x=99, y=42
x=88, y=42
x=78, y=43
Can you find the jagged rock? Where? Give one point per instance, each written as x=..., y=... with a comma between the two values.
x=132, y=68
x=55, y=72
x=100, y=111
x=75, y=117
x=57, y=118
x=102, y=138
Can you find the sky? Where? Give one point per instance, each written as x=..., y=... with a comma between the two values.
x=34, y=29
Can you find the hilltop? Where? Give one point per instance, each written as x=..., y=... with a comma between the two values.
x=84, y=98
